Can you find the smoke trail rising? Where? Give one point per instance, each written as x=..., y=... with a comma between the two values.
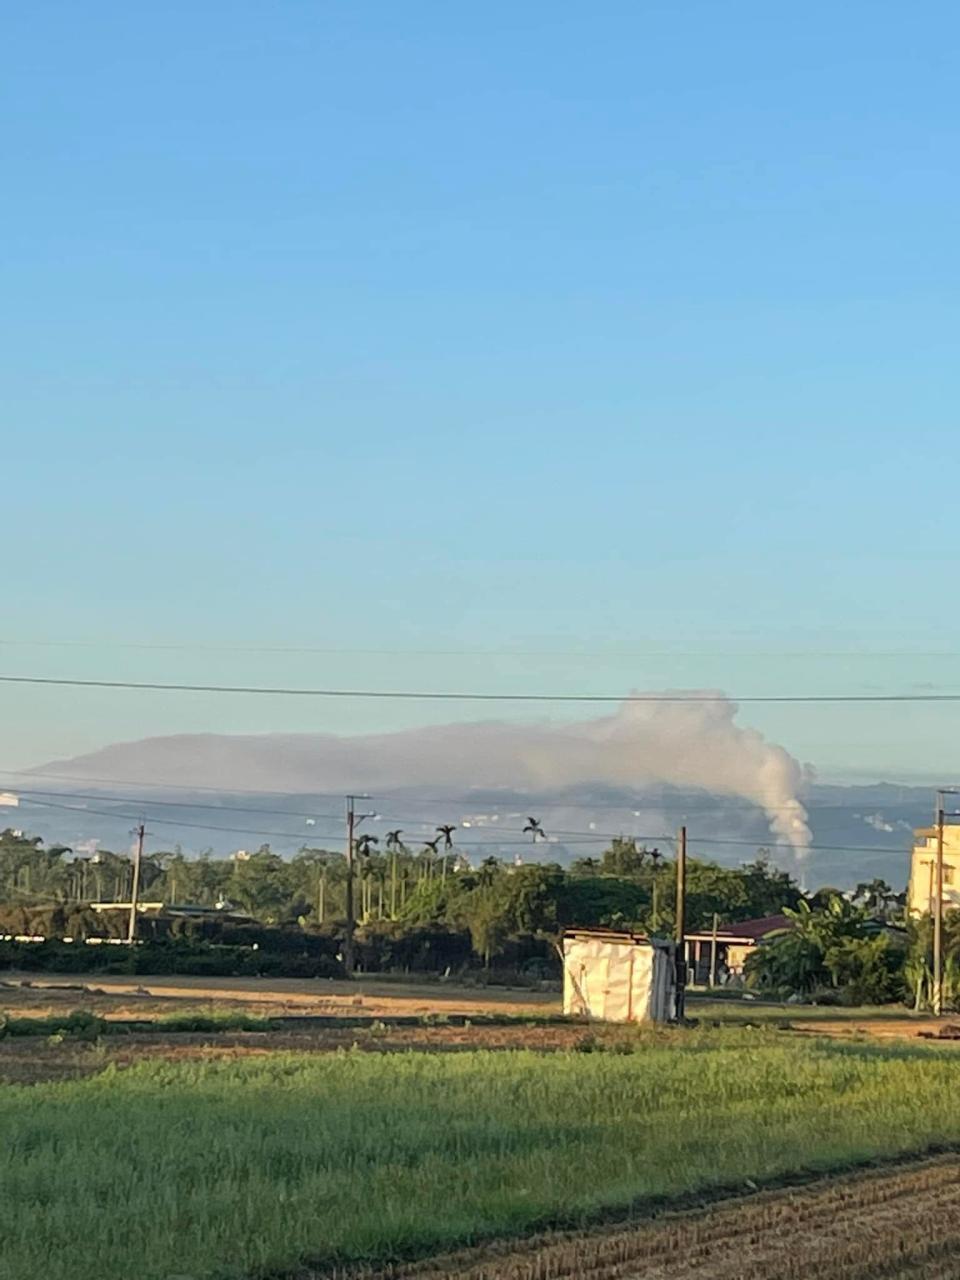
x=697, y=745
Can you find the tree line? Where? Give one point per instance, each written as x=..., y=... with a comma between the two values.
x=429, y=909
x=435, y=911
x=272, y=889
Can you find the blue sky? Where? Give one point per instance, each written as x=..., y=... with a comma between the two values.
x=625, y=329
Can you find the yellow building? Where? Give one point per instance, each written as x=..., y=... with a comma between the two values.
x=923, y=869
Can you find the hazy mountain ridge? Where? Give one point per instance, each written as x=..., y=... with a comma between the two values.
x=225, y=793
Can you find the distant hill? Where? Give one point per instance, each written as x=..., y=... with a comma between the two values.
x=292, y=787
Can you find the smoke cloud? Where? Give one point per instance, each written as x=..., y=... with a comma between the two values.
x=681, y=744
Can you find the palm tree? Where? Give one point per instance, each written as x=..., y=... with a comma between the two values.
x=84, y=864
x=313, y=871
x=447, y=832
x=362, y=846
x=585, y=866
x=535, y=829
x=431, y=848
x=877, y=895
x=394, y=845
x=363, y=843
x=365, y=890
x=321, y=891
x=489, y=869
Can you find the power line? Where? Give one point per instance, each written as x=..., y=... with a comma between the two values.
x=149, y=802
x=179, y=804
x=570, y=839
x=131, y=801
x=462, y=696
x=284, y=835
x=144, y=782
x=168, y=822
x=779, y=844
x=673, y=803
x=333, y=651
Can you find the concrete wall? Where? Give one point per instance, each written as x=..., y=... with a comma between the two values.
x=920, y=895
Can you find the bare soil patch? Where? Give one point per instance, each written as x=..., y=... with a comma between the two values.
x=32, y=1060
x=908, y=1027
x=139, y=997
x=39, y=995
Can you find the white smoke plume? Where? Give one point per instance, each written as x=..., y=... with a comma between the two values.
x=681, y=744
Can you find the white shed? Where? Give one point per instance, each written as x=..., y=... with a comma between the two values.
x=618, y=977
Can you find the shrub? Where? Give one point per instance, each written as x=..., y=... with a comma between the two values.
x=206, y=960
x=81, y=1024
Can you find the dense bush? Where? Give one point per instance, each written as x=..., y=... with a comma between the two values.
x=836, y=952
x=79, y=1023
x=199, y=959
x=385, y=946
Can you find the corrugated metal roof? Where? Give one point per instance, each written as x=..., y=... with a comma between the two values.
x=623, y=936
x=744, y=930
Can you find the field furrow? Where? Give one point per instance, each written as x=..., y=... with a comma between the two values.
x=902, y=1224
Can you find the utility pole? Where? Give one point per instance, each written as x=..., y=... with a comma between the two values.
x=713, y=952
x=135, y=888
x=681, y=922
x=323, y=896
x=937, y=992
x=353, y=820
x=348, y=935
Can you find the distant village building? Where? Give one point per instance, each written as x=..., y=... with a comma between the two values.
x=921, y=894
x=614, y=976
x=716, y=958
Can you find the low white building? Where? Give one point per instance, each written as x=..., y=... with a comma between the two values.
x=614, y=976
x=922, y=893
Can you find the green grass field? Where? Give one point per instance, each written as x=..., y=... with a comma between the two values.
x=239, y=1168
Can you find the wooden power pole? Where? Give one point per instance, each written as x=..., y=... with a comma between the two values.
x=353, y=818
x=135, y=888
x=681, y=922
x=937, y=992
x=348, y=958
x=936, y=904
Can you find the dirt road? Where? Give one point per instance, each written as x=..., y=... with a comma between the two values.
x=121, y=996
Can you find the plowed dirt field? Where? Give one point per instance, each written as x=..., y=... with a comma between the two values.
x=895, y=1224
